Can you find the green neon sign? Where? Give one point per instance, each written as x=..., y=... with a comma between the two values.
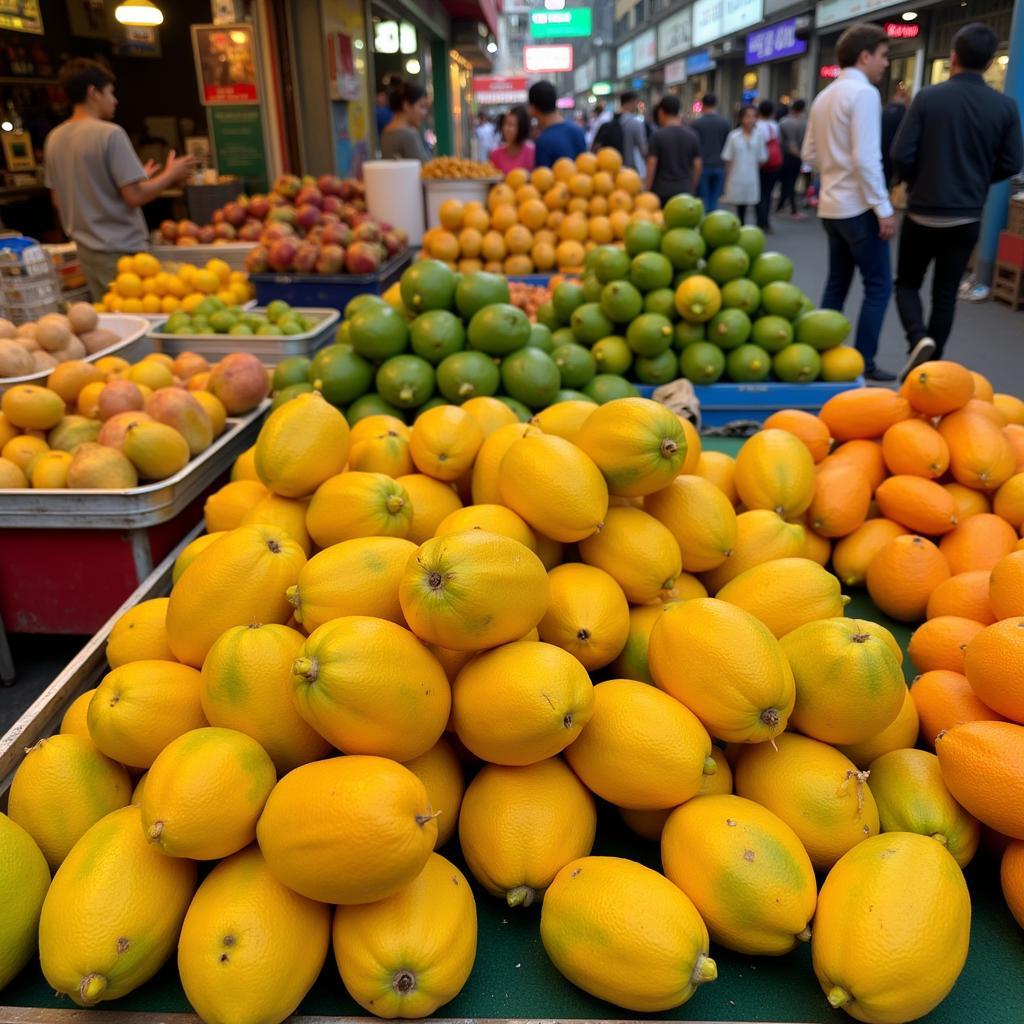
x=575, y=21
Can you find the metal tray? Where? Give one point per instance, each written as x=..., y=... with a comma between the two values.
x=133, y=507
x=131, y=329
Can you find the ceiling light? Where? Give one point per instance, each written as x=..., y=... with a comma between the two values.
x=412, y=66
x=6, y=126
x=909, y=15
x=139, y=12
x=492, y=47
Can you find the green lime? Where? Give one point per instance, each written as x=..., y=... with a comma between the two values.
x=465, y=375
x=688, y=334
x=748, y=363
x=241, y=330
x=683, y=247
x=606, y=387
x=357, y=304
x=611, y=263
x=563, y=336
x=720, y=228
x=279, y=307
x=797, y=363
x=806, y=306
x=741, y=294
x=683, y=211
x=286, y=394
x=436, y=334
x=289, y=327
x=498, y=329
x=590, y=324
x=572, y=395
x=175, y=322
x=479, y=289
x=370, y=405
x=772, y=333
x=650, y=334
x=576, y=364
x=531, y=376
x=264, y=330
x=621, y=302
x=659, y=369
x=540, y=337
x=522, y=412
x=592, y=288
x=643, y=236
x=770, y=266
x=612, y=355
x=547, y=316
x=729, y=329
x=780, y=298
x=378, y=333
x=727, y=263
x=427, y=284
x=663, y=302
x=822, y=328
x=405, y=381
x=222, y=321
x=590, y=259
x=702, y=362
x=651, y=270
x=752, y=240
x=341, y=374
x=566, y=297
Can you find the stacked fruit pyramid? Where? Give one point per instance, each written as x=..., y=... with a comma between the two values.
x=288, y=704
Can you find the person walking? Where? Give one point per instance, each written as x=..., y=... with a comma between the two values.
x=97, y=182
x=957, y=140
x=517, y=150
x=792, y=129
x=712, y=129
x=486, y=136
x=743, y=153
x=625, y=132
x=601, y=117
x=402, y=139
x=771, y=168
x=842, y=142
x=892, y=117
x=557, y=137
x=673, y=158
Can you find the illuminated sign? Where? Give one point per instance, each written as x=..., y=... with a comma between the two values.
x=575, y=21
x=901, y=30
x=547, y=59
x=829, y=71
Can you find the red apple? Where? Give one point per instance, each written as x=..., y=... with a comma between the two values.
x=281, y=254
x=362, y=258
x=256, y=261
x=330, y=260
x=305, y=258
x=169, y=229
x=288, y=186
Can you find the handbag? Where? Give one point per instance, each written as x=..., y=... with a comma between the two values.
x=774, y=161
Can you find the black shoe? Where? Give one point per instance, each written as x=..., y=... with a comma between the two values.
x=878, y=375
x=920, y=353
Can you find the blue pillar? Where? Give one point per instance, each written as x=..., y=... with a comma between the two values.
x=994, y=217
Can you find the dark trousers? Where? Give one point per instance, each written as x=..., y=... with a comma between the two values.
x=853, y=244
x=769, y=179
x=788, y=178
x=950, y=249
x=709, y=188
x=741, y=211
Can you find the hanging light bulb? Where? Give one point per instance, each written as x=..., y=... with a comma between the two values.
x=139, y=12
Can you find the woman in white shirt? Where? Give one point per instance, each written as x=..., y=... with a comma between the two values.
x=743, y=153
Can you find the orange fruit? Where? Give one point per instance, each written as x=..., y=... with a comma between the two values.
x=557, y=197
x=1006, y=586
x=444, y=246
x=647, y=201
x=1011, y=877
x=982, y=386
x=978, y=543
x=597, y=206
x=543, y=255
x=994, y=666
x=1010, y=406
x=609, y=160
x=542, y=178
x=988, y=410
x=504, y=217
x=476, y=218
x=629, y=181
x=620, y=199
x=842, y=496
x=517, y=177
x=604, y=184
x=1015, y=435
x=555, y=218
x=518, y=240
x=470, y=242
x=944, y=699
x=569, y=255
x=983, y=767
x=619, y=220
x=808, y=427
x=903, y=574
x=915, y=447
x=968, y=501
x=493, y=247
x=450, y=214
x=563, y=168
x=500, y=195
x=533, y=214
x=599, y=229
x=573, y=228
x=919, y=504
x=525, y=193
x=938, y=387
x=940, y=643
x=518, y=265
x=853, y=554
x=1009, y=501
x=966, y=594
x=866, y=455
x=980, y=455
x=586, y=163
x=863, y=413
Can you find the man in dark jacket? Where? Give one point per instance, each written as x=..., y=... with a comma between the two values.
x=712, y=129
x=957, y=140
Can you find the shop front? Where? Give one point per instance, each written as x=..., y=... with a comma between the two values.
x=777, y=53
x=948, y=20
x=633, y=63
x=717, y=24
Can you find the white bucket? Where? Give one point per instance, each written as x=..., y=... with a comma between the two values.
x=393, y=194
x=465, y=190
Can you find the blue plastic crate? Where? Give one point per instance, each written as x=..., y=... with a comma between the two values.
x=542, y=280
x=727, y=401
x=328, y=291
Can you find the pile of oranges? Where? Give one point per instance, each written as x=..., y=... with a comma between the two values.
x=145, y=285
x=540, y=220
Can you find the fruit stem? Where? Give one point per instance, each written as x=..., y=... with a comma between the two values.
x=770, y=717
x=423, y=819
x=92, y=988
x=403, y=982
x=860, y=638
x=838, y=997
x=940, y=838
x=308, y=668
x=520, y=896
x=156, y=830
x=669, y=447
x=710, y=765
x=292, y=595
x=705, y=969
x=395, y=504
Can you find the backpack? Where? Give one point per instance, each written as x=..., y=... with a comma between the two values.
x=610, y=134
x=774, y=161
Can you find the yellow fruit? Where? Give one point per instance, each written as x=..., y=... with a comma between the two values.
x=192, y=551
x=355, y=577
x=410, y=953
x=205, y=792
x=892, y=928
x=247, y=685
x=24, y=879
x=113, y=912
x=700, y=518
x=431, y=500
x=250, y=948
x=746, y=871
x=62, y=787
x=911, y=796
x=140, y=634
x=370, y=426
x=555, y=486
x=564, y=419
x=786, y=593
x=88, y=402
x=387, y=452
x=140, y=707
x=485, y=484
x=217, y=415
x=287, y=513
x=521, y=703
x=225, y=509
x=489, y=518
x=761, y=536
x=734, y=677
x=32, y=407
x=75, y=721
x=240, y=579
x=352, y=505
x=774, y=470
x=587, y=615
x=11, y=475
x=637, y=551
x=445, y=441
x=473, y=590
x=637, y=444
x=624, y=933
x=50, y=470
x=303, y=443
x=489, y=413
x=642, y=749
x=632, y=662
x=370, y=687
x=902, y=733
x=347, y=830
x=849, y=684
x=24, y=450
x=441, y=774
x=151, y=374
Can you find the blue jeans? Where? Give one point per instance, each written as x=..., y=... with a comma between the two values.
x=853, y=244
x=712, y=181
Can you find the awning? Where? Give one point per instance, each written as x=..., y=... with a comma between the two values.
x=486, y=11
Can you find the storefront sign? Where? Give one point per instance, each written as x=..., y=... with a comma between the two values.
x=601, y=88
x=238, y=144
x=674, y=34
x=544, y=60
x=645, y=50
x=829, y=71
x=700, y=62
x=584, y=75
x=500, y=89
x=225, y=58
x=565, y=24
x=624, y=62
x=675, y=71
x=713, y=19
x=830, y=12
x=902, y=30
x=774, y=42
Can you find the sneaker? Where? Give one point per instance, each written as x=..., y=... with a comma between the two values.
x=919, y=354
x=878, y=375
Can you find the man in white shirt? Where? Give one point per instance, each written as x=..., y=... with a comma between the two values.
x=843, y=142
x=486, y=136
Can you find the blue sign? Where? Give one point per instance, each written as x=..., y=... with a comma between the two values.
x=699, y=62
x=637, y=83
x=774, y=42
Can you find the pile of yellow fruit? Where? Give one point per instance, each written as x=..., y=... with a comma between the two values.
x=459, y=167
x=145, y=285
x=540, y=220
x=364, y=590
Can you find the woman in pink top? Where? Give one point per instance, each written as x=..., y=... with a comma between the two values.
x=518, y=151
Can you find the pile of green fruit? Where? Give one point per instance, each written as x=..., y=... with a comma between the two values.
x=213, y=316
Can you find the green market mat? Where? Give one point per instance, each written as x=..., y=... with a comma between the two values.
x=513, y=978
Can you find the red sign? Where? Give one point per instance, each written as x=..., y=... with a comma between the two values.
x=547, y=59
x=901, y=30
x=499, y=83
x=829, y=71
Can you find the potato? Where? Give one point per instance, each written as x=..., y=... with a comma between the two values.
x=14, y=360
x=7, y=329
x=100, y=338
x=43, y=360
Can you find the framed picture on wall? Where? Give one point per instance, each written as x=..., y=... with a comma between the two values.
x=226, y=68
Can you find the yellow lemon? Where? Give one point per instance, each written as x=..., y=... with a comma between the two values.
x=140, y=633
x=287, y=513
x=431, y=500
x=901, y=734
x=25, y=881
x=700, y=518
x=191, y=551
x=440, y=772
x=490, y=413
x=445, y=441
x=352, y=505
x=760, y=537
x=244, y=467
x=485, y=481
x=75, y=721
x=564, y=419
x=225, y=509
x=775, y=470
x=490, y=518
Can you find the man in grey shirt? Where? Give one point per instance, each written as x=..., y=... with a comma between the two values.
x=792, y=129
x=97, y=182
